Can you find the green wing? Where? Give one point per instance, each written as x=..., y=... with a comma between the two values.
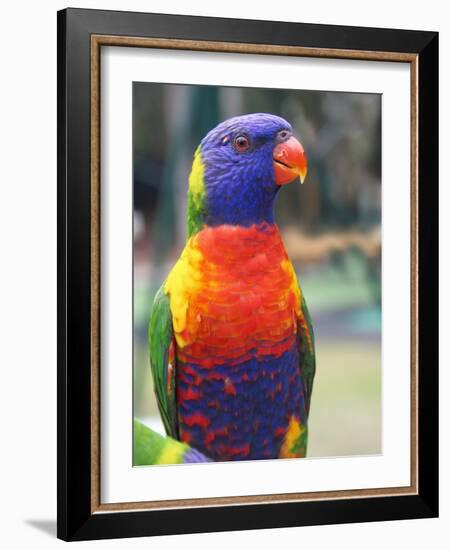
x=307, y=352
x=162, y=360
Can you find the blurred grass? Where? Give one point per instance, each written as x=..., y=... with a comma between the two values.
x=143, y=395
x=345, y=416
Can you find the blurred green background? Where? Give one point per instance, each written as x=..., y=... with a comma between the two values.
x=330, y=226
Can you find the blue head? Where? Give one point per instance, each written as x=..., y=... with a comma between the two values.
x=244, y=162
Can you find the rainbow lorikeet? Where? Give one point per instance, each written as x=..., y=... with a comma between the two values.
x=231, y=342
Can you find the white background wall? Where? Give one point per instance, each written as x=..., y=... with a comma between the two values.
x=28, y=272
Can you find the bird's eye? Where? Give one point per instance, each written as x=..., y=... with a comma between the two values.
x=241, y=144
x=283, y=134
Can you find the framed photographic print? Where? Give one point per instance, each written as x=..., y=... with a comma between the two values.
x=247, y=286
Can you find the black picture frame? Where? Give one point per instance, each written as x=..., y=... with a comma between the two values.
x=76, y=519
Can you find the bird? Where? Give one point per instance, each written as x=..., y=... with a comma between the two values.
x=231, y=341
x=151, y=448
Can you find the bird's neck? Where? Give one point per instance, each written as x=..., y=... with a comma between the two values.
x=240, y=214
x=246, y=209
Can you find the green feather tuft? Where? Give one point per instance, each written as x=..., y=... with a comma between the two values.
x=196, y=196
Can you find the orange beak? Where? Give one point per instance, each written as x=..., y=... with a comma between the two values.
x=289, y=162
